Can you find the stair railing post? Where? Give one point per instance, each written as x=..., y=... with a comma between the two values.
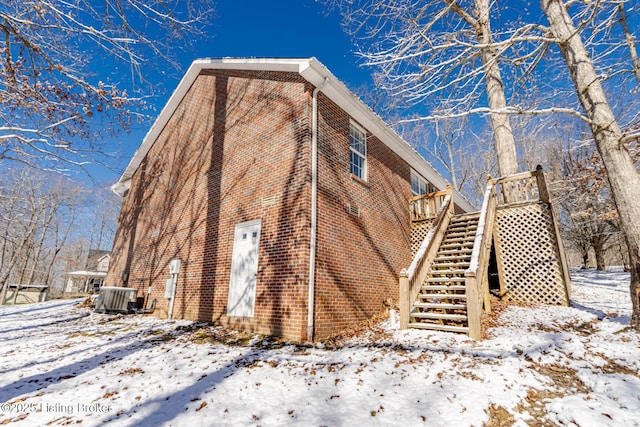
x=475, y=276
x=405, y=302
x=564, y=266
x=542, y=185
x=473, y=305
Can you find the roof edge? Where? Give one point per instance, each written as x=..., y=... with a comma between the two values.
x=315, y=73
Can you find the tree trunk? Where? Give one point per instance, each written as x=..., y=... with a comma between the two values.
x=624, y=255
x=585, y=259
x=635, y=61
x=624, y=180
x=505, y=143
x=601, y=264
x=452, y=167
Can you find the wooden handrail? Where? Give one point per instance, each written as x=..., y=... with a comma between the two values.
x=521, y=188
x=412, y=278
x=476, y=283
x=426, y=206
x=515, y=177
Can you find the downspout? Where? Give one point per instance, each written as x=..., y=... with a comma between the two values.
x=314, y=208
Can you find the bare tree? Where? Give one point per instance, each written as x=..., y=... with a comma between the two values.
x=590, y=218
x=452, y=149
x=427, y=50
x=99, y=216
x=445, y=52
x=622, y=175
x=631, y=43
x=38, y=215
x=54, y=108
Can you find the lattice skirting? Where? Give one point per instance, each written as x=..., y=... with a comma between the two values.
x=419, y=231
x=528, y=255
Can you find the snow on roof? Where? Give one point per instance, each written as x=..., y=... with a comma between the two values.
x=315, y=73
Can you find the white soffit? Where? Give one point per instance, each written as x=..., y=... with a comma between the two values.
x=315, y=73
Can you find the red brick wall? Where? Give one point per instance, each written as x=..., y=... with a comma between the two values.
x=359, y=257
x=236, y=138
x=239, y=137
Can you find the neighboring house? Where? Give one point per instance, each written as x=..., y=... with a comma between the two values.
x=92, y=277
x=284, y=197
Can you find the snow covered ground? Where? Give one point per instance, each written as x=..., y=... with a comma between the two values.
x=577, y=366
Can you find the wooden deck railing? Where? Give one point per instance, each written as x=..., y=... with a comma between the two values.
x=411, y=279
x=476, y=281
x=522, y=188
x=533, y=188
x=427, y=206
x=504, y=193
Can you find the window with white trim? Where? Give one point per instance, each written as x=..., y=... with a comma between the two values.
x=357, y=151
x=419, y=185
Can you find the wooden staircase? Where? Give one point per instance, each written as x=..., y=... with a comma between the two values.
x=441, y=303
x=446, y=286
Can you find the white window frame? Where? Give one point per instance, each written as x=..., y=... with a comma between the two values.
x=353, y=126
x=423, y=184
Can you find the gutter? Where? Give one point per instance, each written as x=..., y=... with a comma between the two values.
x=314, y=208
x=315, y=73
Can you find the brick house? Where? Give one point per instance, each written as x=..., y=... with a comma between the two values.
x=279, y=191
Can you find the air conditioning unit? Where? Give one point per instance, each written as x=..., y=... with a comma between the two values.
x=112, y=299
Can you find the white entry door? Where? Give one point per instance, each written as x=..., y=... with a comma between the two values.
x=244, y=268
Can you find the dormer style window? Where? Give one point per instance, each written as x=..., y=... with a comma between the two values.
x=357, y=151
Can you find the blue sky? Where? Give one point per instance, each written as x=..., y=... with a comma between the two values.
x=250, y=28
x=292, y=28
x=286, y=28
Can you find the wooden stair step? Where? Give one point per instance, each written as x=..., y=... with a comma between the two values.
x=466, y=217
x=442, y=296
x=462, y=234
x=462, y=228
x=441, y=272
x=445, y=280
x=462, y=241
x=443, y=288
x=440, y=316
x=462, y=224
x=453, y=258
x=452, y=265
x=439, y=305
x=462, y=251
x=455, y=245
x=437, y=327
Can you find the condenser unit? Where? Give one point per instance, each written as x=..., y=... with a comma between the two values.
x=112, y=299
